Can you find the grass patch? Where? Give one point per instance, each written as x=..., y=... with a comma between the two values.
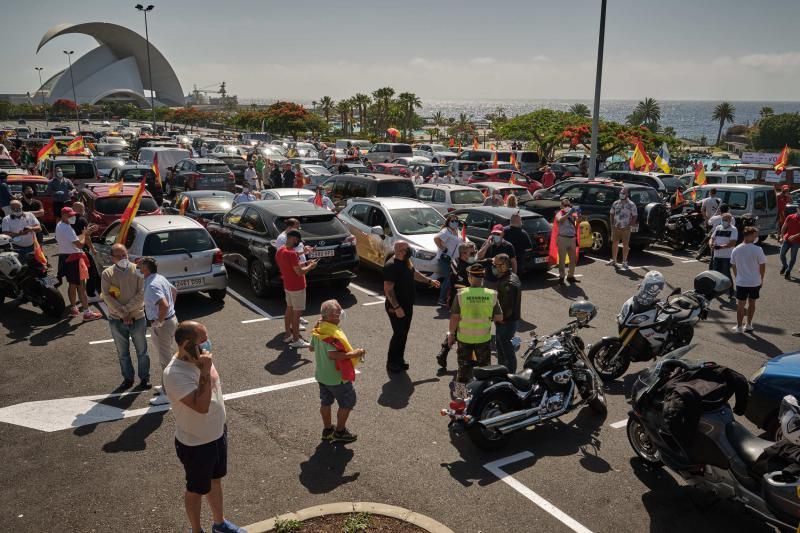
x=356, y=523
x=287, y=526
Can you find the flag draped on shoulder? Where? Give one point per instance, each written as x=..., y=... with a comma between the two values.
x=640, y=159
x=699, y=174
x=47, y=149
x=662, y=158
x=76, y=146
x=782, y=161
x=332, y=335
x=130, y=211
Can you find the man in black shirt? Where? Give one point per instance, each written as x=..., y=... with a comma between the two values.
x=493, y=246
x=519, y=239
x=288, y=176
x=399, y=276
x=509, y=294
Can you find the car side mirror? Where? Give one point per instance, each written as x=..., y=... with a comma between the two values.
x=218, y=218
x=377, y=230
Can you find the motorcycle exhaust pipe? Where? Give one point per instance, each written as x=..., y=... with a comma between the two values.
x=508, y=418
x=508, y=422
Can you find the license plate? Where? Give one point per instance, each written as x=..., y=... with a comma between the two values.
x=188, y=283
x=635, y=228
x=322, y=253
x=541, y=260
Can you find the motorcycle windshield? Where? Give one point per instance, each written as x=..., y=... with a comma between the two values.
x=651, y=375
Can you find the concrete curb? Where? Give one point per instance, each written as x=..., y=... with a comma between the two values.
x=406, y=515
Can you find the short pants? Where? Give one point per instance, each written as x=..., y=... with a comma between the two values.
x=344, y=394
x=747, y=293
x=204, y=462
x=621, y=234
x=296, y=300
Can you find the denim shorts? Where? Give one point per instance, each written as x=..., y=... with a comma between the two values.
x=344, y=394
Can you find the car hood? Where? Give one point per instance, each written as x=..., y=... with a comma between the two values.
x=424, y=242
x=787, y=365
x=446, y=153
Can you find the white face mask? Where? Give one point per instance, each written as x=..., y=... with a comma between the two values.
x=123, y=263
x=496, y=239
x=71, y=220
x=471, y=259
x=726, y=224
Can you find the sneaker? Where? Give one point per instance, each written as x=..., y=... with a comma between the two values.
x=90, y=315
x=783, y=270
x=145, y=384
x=787, y=276
x=748, y=327
x=159, y=400
x=572, y=279
x=301, y=327
x=227, y=527
x=157, y=389
x=344, y=436
x=625, y=265
x=300, y=343
x=561, y=281
x=327, y=434
x=303, y=321
x=612, y=262
x=737, y=329
x=74, y=311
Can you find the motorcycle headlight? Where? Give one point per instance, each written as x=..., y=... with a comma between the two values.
x=757, y=374
x=637, y=320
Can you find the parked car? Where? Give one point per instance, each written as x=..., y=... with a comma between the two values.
x=362, y=144
x=485, y=155
x=377, y=223
x=343, y=187
x=758, y=200
x=228, y=149
x=201, y=206
x=416, y=158
x=390, y=168
x=426, y=170
x=487, y=188
x=384, y=152
x=199, y=173
x=555, y=191
x=247, y=233
x=438, y=153
x=103, y=207
x=665, y=184
x=105, y=164
x=186, y=254
x=306, y=161
x=79, y=169
x=348, y=167
x=570, y=158
x=167, y=157
x=714, y=177
x=499, y=175
x=595, y=198
x=776, y=378
x=17, y=182
x=445, y=197
x=203, y=146
x=480, y=221
x=528, y=161
x=236, y=163
x=463, y=169
x=133, y=173
x=271, y=152
x=301, y=195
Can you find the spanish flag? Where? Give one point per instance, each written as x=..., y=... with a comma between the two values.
x=699, y=174
x=679, y=199
x=662, y=158
x=117, y=187
x=76, y=146
x=495, y=163
x=464, y=231
x=47, y=149
x=782, y=161
x=130, y=211
x=183, y=206
x=38, y=254
x=640, y=159
x=514, y=161
x=155, y=170
x=475, y=144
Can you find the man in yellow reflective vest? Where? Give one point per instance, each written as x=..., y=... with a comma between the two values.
x=471, y=315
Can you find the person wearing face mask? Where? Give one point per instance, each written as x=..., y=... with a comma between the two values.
x=335, y=361
x=61, y=189
x=22, y=227
x=496, y=245
x=123, y=291
x=5, y=194
x=30, y=204
x=73, y=264
x=159, y=310
x=251, y=176
x=509, y=295
x=624, y=216
x=749, y=265
x=518, y=238
x=566, y=223
x=447, y=241
x=722, y=241
x=194, y=389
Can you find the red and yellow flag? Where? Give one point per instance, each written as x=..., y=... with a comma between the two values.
x=117, y=187
x=130, y=212
x=782, y=161
x=76, y=146
x=679, y=199
x=699, y=174
x=318, y=199
x=464, y=231
x=640, y=159
x=475, y=144
x=156, y=171
x=452, y=142
x=38, y=254
x=514, y=161
x=495, y=163
x=183, y=206
x=47, y=149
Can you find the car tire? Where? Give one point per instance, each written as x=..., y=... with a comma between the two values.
x=257, y=275
x=218, y=295
x=599, y=237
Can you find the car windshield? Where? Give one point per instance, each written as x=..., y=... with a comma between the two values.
x=671, y=183
x=217, y=204
x=135, y=174
x=173, y=242
x=114, y=140
x=402, y=189
x=467, y=197
x=212, y=168
x=642, y=197
x=316, y=226
x=417, y=220
x=108, y=163
x=402, y=149
x=535, y=225
x=115, y=205
x=439, y=148
x=270, y=150
x=316, y=170
x=82, y=170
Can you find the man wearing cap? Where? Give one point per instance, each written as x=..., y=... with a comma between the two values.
x=75, y=263
x=21, y=226
x=495, y=245
x=471, y=316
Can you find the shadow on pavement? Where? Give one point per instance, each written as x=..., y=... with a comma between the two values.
x=134, y=437
x=34, y=326
x=621, y=386
x=324, y=470
x=755, y=342
x=570, y=291
x=288, y=360
x=195, y=306
x=101, y=407
x=397, y=392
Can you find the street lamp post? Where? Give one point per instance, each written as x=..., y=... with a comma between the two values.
x=44, y=104
x=146, y=10
x=74, y=95
x=597, y=83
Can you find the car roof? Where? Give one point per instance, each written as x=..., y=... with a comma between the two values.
x=101, y=189
x=17, y=178
x=371, y=176
x=68, y=158
x=504, y=212
x=717, y=173
x=288, y=208
x=393, y=202
x=162, y=222
x=448, y=186
x=493, y=171
x=735, y=186
x=203, y=159
x=292, y=190
x=497, y=185
x=203, y=194
x=129, y=166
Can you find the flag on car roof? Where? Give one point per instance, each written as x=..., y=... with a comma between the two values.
x=514, y=161
x=640, y=159
x=475, y=143
x=495, y=164
x=130, y=211
x=155, y=170
x=47, y=149
x=76, y=146
x=662, y=158
x=117, y=187
x=782, y=161
x=699, y=174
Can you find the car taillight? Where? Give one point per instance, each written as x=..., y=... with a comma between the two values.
x=350, y=240
x=451, y=209
x=217, y=257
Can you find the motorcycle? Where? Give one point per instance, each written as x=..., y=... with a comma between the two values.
x=554, y=368
x=684, y=230
x=649, y=328
x=721, y=454
x=27, y=282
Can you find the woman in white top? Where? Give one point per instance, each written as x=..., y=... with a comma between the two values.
x=447, y=240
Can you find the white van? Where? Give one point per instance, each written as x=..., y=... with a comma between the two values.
x=167, y=157
x=759, y=200
x=714, y=177
x=382, y=152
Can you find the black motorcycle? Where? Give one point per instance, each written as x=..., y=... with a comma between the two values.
x=27, y=281
x=685, y=230
x=555, y=367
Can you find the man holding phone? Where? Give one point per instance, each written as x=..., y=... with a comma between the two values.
x=193, y=386
x=294, y=285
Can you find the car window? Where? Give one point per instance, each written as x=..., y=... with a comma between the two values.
x=760, y=200
x=574, y=193
x=734, y=199
x=772, y=201
x=115, y=205
x=529, y=157
x=316, y=226
x=251, y=221
x=111, y=235
x=377, y=218
x=212, y=168
x=599, y=196
x=642, y=197
x=175, y=242
x=535, y=225
x=671, y=183
x=235, y=215
x=466, y=197
x=134, y=175
x=213, y=203
x=359, y=212
x=399, y=188
x=438, y=196
x=357, y=189
x=425, y=194
x=417, y=220
x=479, y=219
x=402, y=149
x=77, y=170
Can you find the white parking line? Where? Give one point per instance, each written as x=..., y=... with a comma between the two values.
x=683, y=259
x=365, y=291
x=555, y=274
x=104, y=341
x=253, y=307
x=262, y=319
x=495, y=467
x=620, y=424
x=379, y=302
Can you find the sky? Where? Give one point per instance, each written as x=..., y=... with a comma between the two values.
x=443, y=50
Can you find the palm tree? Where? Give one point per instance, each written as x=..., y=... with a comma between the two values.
x=362, y=101
x=343, y=109
x=313, y=105
x=669, y=131
x=582, y=110
x=409, y=102
x=326, y=106
x=383, y=98
x=724, y=112
x=766, y=111
x=438, y=119
x=649, y=111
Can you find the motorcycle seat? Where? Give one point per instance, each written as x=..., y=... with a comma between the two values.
x=490, y=371
x=746, y=445
x=522, y=380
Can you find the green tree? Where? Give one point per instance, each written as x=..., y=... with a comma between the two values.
x=438, y=119
x=362, y=102
x=286, y=118
x=326, y=104
x=647, y=113
x=343, y=109
x=724, y=112
x=777, y=131
x=582, y=110
x=409, y=102
x=383, y=99
x=766, y=111
x=542, y=127
x=669, y=131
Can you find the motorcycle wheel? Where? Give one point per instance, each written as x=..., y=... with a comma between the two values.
x=642, y=445
x=678, y=245
x=52, y=303
x=489, y=439
x=599, y=354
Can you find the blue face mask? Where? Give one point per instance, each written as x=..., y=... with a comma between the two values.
x=205, y=347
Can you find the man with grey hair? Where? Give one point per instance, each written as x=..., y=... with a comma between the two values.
x=159, y=310
x=21, y=226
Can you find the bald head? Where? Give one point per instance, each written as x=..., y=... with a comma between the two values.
x=188, y=335
x=118, y=251
x=15, y=205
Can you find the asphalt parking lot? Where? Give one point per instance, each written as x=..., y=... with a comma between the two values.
x=88, y=459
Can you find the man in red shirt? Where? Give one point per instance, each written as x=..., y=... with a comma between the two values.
x=294, y=285
x=790, y=235
x=783, y=198
x=548, y=178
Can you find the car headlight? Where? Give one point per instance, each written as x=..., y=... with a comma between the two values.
x=423, y=255
x=757, y=374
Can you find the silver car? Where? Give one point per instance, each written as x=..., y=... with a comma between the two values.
x=186, y=254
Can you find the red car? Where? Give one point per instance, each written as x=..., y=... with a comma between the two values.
x=103, y=208
x=502, y=175
x=16, y=182
x=394, y=169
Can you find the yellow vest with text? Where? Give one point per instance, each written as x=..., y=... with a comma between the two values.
x=477, y=308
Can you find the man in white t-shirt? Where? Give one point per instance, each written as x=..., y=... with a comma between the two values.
x=722, y=241
x=22, y=227
x=194, y=389
x=748, y=264
x=710, y=206
x=75, y=263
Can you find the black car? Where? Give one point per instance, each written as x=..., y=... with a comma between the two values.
x=665, y=184
x=133, y=173
x=246, y=235
x=202, y=206
x=200, y=174
x=480, y=220
x=426, y=169
x=595, y=198
x=236, y=163
x=348, y=167
x=345, y=186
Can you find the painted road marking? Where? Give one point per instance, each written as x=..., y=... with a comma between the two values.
x=683, y=259
x=620, y=424
x=247, y=303
x=379, y=302
x=496, y=468
x=104, y=341
x=67, y=413
x=368, y=292
x=262, y=319
x=555, y=274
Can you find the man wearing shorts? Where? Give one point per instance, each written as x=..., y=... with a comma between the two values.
x=335, y=363
x=76, y=264
x=294, y=285
x=748, y=264
x=623, y=217
x=193, y=386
